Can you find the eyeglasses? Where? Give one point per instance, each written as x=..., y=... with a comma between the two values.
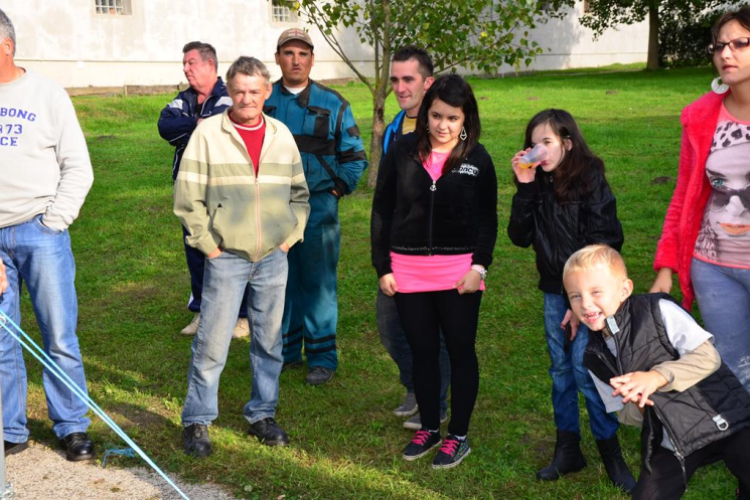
x=734, y=45
x=722, y=195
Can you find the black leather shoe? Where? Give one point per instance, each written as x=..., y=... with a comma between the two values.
x=13, y=448
x=78, y=447
x=319, y=375
x=195, y=440
x=268, y=432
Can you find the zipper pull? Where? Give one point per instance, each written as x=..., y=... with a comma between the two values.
x=433, y=188
x=721, y=423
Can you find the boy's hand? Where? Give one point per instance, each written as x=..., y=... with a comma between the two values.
x=570, y=317
x=636, y=387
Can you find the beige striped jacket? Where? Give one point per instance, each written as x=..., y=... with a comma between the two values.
x=223, y=204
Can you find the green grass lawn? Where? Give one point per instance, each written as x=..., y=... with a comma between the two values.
x=133, y=287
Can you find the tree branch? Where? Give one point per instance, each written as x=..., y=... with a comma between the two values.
x=320, y=20
x=399, y=28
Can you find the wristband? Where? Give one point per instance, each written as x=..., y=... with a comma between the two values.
x=480, y=269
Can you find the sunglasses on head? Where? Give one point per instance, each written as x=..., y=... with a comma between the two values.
x=736, y=44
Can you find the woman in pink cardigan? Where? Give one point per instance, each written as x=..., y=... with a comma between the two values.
x=706, y=235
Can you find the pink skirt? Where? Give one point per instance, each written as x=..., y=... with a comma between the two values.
x=429, y=273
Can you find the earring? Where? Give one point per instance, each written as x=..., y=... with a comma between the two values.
x=718, y=86
x=463, y=135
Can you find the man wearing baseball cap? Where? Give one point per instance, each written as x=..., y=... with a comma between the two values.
x=333, y=158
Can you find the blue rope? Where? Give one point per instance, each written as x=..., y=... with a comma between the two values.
x=50, y=365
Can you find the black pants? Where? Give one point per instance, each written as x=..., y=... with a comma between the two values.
x=666, y=482
x=423, y=315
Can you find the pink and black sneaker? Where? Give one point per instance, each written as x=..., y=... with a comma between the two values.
x=451, y=453
x=421, y=445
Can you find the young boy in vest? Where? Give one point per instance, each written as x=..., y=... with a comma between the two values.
x=657, y=367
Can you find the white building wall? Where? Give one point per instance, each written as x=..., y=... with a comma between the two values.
x=567, y=44
x=72, y=44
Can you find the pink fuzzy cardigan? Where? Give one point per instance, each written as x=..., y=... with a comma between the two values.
x=685, y=212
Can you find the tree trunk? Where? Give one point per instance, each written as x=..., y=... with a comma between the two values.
x=382, y=84
x=653, y=35
x=376, y=146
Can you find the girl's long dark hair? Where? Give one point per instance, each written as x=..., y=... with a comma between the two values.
x=741, y=15
x=576, y=173
x=454, y=91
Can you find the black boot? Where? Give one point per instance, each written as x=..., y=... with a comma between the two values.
x=568, y=457
x=617, y=469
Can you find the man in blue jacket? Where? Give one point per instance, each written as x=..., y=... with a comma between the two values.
x=206, y=96
x=411, y=77
x=333, y=158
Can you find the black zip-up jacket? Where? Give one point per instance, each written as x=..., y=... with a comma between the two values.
x=557, y=230
x=411, y=215
x=712, y=409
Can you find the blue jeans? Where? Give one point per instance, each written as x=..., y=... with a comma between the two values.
x=570, y=376
x=196, y=262
x=41, y=257
x=226, y=278
x=393, y=338
x=723, y=295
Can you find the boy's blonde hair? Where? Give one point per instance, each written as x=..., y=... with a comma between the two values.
x=587, y=258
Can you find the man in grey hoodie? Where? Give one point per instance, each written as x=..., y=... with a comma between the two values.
x=46, y=174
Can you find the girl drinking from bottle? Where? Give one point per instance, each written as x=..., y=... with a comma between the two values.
x=563, y=204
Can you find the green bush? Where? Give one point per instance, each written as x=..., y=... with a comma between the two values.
x=684, y=35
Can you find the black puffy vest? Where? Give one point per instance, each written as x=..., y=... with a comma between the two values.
x=712, y=409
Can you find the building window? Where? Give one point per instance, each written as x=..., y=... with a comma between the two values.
x=282, y=13
x=586, y=7
x=113, y=7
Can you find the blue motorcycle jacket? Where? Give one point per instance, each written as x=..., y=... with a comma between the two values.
x=326, y=134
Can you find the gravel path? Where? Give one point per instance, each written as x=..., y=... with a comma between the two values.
x=40, y=473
